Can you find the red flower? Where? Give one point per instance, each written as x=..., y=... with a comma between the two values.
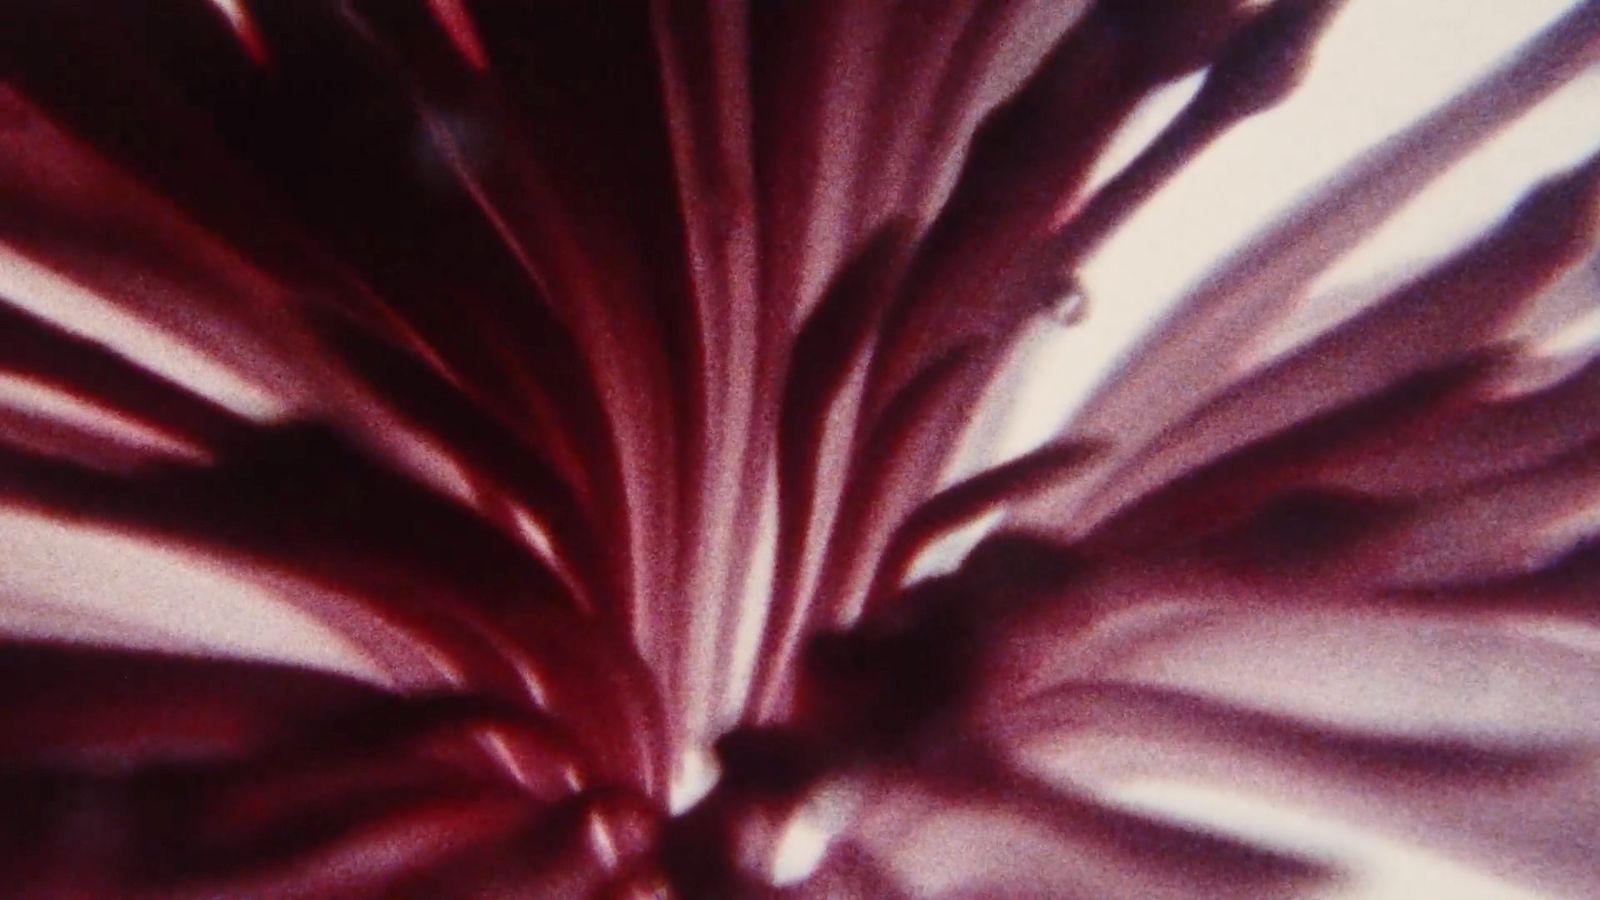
x=567, y=393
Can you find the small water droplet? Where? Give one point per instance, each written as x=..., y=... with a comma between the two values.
x=1070, y=305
